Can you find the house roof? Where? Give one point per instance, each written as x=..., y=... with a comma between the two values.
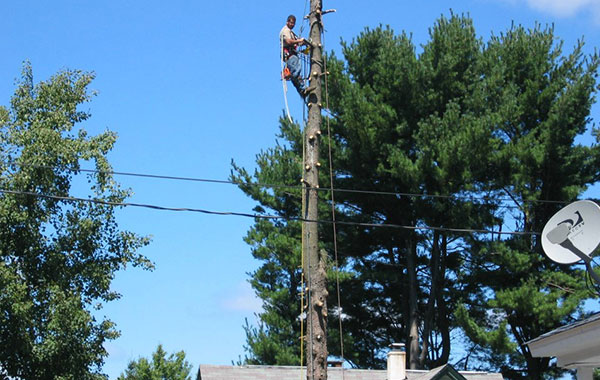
x=574, y=345
x=256, y=372
x=574, y=325
x=447, y=372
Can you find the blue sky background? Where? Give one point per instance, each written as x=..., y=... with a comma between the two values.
x=189, y=86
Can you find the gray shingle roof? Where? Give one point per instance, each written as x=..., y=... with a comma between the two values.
x=255, y=372
x=574, y=325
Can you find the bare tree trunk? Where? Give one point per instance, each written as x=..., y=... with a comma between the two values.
x=443, y=324
x=434, y=267
x=315, y=265
x=413, y=293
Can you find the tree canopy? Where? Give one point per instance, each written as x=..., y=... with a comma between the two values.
x=58, y=254
x=454, y=156
x=161, y=367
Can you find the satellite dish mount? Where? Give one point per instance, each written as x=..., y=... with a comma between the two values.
x=572, y=234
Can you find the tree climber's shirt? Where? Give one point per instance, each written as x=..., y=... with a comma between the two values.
x=287, y=33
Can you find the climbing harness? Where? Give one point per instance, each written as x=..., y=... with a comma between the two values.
x=303, y=55
x=284, y=79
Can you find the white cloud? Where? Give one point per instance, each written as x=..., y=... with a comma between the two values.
x=565, y=8
x=560, y=8
x=243, y=300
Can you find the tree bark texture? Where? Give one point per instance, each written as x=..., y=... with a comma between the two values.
x=315, y=260
x=429, y=316
x=443, y=323
x=413, y=294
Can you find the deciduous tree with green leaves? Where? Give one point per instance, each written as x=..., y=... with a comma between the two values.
x=58, y=255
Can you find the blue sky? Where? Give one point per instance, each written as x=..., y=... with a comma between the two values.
x=189, y=86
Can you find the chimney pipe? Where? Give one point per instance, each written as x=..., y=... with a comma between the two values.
x=396, y=362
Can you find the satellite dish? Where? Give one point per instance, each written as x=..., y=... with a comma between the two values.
x=573, y=233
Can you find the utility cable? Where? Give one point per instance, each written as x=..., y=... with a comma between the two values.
x=303, y=291
x=266, y=216
x=333, y=218
x=592, y=286
x=296, y=187
x=304, y=23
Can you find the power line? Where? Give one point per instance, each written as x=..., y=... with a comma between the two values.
x=264, y=216
x=297, y=187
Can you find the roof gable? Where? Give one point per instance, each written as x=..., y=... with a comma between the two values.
x=574, y=345
x=445, y=372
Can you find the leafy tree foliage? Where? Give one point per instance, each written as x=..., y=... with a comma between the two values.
x=161, y=367
x=57, y=255
x=483, y=133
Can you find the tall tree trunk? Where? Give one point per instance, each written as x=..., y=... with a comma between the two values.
x=443, y=324
x=413, y=312
x=315, y=266
x=429, y=317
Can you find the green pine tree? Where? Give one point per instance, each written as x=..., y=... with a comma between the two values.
x=466, y=124
x=277, y=244
x=160, y=367
x=542, y=104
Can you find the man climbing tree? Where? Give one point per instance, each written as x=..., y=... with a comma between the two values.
x=289, y=44
x=486, y=134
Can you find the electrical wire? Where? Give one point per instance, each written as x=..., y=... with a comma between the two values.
x=303, y=18
x=592, y=286
x=296, y=187
x=303, y=292
x=266, y=216
x=333, y=218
